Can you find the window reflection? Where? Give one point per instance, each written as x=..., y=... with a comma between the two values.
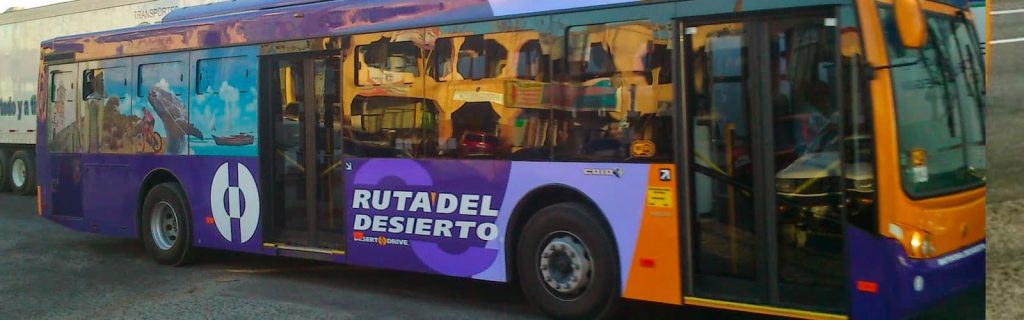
x=723, y=201
x=808, y=172
x=492, y=95
x=612, y=108
x=287, y=98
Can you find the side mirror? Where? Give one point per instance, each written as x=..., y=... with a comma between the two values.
x=910, y=23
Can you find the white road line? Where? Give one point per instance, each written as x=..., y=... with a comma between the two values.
x=1006, y=41
x=1007, y=11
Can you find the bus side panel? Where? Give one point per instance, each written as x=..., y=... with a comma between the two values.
x=434, y=229
x=391, y=229
x=222, y=193
x=225, y=195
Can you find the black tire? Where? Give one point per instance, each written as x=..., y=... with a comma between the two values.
x=5, y=170
x=179, y=250
x=28, y=186
x=600, y=298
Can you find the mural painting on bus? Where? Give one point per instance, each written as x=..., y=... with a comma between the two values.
x=105, y=118
x=224, y=102
x=425, y=216
x=160, y=108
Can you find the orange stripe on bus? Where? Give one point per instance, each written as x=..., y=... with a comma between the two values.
x=655, y=271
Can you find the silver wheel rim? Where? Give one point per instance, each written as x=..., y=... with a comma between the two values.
x=163, y=225
x=19, y=172
x=565, y=265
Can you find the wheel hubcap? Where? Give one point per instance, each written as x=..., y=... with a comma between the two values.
x=565, y=265
x=164, y=225
x=19, y=172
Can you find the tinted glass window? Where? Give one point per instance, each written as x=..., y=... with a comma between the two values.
x=386, y=62
x=214, y=74
x=612, y=109
x=62, y=112
x=481, y=58
x=152, y=74
x=102, y=83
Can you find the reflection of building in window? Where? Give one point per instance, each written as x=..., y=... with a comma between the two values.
x=475, y=116
x=441, y=59
x=532, y=64
x=481, y=58
x=385, y=62
x=617, y=93
x=408, y=124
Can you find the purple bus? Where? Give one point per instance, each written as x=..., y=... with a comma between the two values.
x=711, y=153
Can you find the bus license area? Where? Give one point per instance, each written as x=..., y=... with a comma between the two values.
x=450, y=214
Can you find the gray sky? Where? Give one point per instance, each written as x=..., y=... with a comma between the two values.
x=5, y=4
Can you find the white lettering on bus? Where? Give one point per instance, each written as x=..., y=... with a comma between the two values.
x=486, y=231
x=465, y=204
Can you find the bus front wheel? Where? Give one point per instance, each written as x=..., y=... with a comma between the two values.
x=167, y=225
x=567, y=264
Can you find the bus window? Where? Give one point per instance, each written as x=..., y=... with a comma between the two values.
x=612, y=110
x=392, y=127
x=387, y=62
x=481, y=58
x=858, y=157
x=104, y=94
x=151, y=75
x=939, y=107
x=214, y=75
x=808, y=169
x=63, y=112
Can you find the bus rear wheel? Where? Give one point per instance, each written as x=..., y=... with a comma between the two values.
x=567, y=264
x=167, y=225
x=23, y=172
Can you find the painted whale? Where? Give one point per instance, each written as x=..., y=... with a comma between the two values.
x=172, y=113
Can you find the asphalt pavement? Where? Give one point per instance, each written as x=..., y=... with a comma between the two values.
x=49, y=272
x=1005, y=252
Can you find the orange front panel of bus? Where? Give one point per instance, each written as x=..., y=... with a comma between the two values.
x=655, y=274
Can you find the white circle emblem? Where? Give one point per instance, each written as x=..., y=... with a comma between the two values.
x=243, y=202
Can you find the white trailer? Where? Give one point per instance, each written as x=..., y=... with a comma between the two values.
x=21, y=33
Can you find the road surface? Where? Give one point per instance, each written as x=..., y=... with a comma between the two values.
x=1005, y=265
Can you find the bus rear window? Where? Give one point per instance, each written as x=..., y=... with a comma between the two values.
x=939, y=107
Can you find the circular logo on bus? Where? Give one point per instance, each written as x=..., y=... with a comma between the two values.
x=239, y=202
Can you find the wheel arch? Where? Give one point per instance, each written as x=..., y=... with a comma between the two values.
x=534, y=201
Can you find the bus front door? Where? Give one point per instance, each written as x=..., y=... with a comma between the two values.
x=306, y=164
x=763, y=162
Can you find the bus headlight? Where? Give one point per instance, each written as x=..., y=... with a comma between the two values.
x=921, y=244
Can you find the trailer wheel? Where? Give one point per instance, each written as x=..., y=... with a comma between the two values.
x=5, y=170
x=167, y=225
x=567, y=263
x=23, y=172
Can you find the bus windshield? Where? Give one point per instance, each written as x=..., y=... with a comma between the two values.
x=939, y=95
